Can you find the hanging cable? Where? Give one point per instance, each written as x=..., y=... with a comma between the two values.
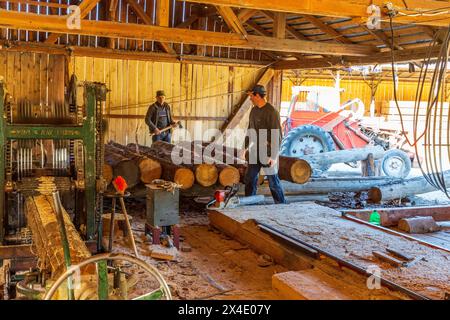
x=172, y=99
x=434, y=144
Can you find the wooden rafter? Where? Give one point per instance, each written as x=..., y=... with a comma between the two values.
x=382, y=37
x=347, y=9
x=258, y=29
x=245, y=14
x=137, y=8
x=291, y=30
x=85, y=7
x=327, y=29
x=232, y=20
x=405, y=55
x=296, y=34
x=35, y=22
x=189, y=21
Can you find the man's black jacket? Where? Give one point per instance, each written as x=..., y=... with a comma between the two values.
x=152, y=116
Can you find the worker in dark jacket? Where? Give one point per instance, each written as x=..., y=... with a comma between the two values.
x=158, y=117
x=263, y=145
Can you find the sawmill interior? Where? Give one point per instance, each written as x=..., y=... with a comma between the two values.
x=224, y=150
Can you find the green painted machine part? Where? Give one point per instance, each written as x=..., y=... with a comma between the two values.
x=88, y=131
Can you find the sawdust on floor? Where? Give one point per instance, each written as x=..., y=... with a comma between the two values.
x=428, y=274
x=216, y=267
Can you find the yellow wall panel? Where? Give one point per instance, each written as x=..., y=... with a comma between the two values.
x=193, y=90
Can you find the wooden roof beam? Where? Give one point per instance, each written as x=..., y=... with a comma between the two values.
x=245, y=14
x=35, y=22
x=346, y=8
x=327, y=29
x=99, y=52
x=405, y=55
x=189, y=21
x=232, y=20
x=258, y=29
x=382, y=37
x=85, y=7
x=291, y=30
x=137, y=8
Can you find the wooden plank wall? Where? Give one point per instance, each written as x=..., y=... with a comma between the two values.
x=33, y=77
x=201, y=95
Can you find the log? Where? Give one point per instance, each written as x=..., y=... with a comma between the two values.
x=294, y=170
x=149, y=169
x=231, y=169
x=328, y=185
x=402, y=189
x=229, y=175
x=124, y=167
x=289, y=169
x=170, y=171
x=206, y=173
x=390, y=217
x=418, y=225
x=317, y=160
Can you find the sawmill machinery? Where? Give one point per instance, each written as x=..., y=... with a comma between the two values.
x=51, y=188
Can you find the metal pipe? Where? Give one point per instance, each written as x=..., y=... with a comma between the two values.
x=23, y=288
x=347, y=264
x=114, y=257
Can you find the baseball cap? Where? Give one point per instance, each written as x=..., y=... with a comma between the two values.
x=160, y=93
x=258, y=89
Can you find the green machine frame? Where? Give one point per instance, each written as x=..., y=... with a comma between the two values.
x=89, y=131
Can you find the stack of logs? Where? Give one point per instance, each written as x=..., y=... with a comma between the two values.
x=204, y=163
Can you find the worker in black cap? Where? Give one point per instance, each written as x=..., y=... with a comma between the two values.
x=158, y=117
x=263, y=146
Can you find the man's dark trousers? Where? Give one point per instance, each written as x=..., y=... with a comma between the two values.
x=251, y=181
x=164, y=136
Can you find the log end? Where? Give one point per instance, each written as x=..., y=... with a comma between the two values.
x=107, y=173
x=229, y=176
x=129, y=170
x=301, y=171
x=206, y=174
x=184, y=177
x=150, y=170
x=375, y=195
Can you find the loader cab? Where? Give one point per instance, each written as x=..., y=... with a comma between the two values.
x=310, y=103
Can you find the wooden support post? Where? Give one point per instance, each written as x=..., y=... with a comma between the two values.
x=162, y=12
x=279, y=26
